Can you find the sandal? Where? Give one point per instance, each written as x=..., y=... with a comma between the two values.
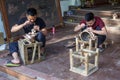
x=101, y=49
x=43, y=55
x=11, y=64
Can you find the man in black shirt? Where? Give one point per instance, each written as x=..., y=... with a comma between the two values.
x=31, y=21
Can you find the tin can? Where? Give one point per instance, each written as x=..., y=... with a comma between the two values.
x=53, y=30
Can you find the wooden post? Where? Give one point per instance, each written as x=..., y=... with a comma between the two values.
x=34, y=51
x=96, y=57
x=5, y=19
x=77, y=43
x=71, y=58
x=25, y=54
x=39, y=52
x=90, y=44
x=86, y=63
x=1, y=38
x=96, y=42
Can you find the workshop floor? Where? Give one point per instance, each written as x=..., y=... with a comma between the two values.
x=57, y=63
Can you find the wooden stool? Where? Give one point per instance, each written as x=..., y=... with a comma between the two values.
x=25, y=55
x=80, y=59
x=84, y=66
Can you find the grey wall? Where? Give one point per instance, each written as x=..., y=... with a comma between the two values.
x=66, y=3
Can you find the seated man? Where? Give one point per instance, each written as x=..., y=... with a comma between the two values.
x=31, y=21
x=94, y=24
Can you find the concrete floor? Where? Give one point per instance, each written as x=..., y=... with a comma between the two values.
x=4, y=76
x=57, y=62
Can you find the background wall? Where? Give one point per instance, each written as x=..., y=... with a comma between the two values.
x=66, y=3
x=16, y=9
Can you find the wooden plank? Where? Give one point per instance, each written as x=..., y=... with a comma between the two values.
x=5, y=19
x=20, y=76
x=59, y=10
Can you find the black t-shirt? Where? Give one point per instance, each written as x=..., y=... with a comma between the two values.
x=28, y=28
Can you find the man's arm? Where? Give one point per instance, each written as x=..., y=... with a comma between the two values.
x=43, y=30
x=103, y=31
x=79, y=27
x=17, y=27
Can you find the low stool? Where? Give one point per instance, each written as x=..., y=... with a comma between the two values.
x=80, y=61
x=29, y=52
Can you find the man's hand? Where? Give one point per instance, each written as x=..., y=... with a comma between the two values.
x=36, y=27
x=79, y=26
x=90, y=29
x=27, y=23
x=44, y=31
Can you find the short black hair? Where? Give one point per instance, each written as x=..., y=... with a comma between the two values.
x=89, y=16
x=31, y=11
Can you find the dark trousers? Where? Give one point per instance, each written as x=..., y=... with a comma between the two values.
x=101, y=38
x=13, y=47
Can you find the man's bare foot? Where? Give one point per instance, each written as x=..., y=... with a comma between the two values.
x=15, y=61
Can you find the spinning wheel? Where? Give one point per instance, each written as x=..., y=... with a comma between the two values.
x=87, y=35
x=86, y=39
